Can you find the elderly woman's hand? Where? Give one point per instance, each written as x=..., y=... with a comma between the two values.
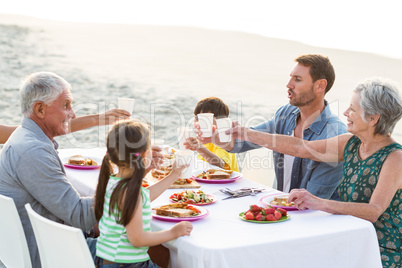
x=111, y=116
x=238, y=131
x=304, y=200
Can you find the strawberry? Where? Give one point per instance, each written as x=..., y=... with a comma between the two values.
x=282, y=211
x=270, y=217
x=269, y=210
x=259, y=217
x=255, y=208
x=277, y=215
x=249, y=216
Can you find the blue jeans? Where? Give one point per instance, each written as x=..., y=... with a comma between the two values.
x=92, y=246
x=146, y=264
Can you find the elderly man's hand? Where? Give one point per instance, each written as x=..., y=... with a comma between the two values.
x=157, y=158
x=111, y=116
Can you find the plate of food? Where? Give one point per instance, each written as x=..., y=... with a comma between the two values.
x=218, y=176
x=179, y=212
x=198, y=198
x=82, y=162
x=181, y=183
x=257, y=214
x=278, y=201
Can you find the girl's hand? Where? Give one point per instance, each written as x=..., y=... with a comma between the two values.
x=157, y=159
x=176, y=169
x=182, y=228
x=192, y=144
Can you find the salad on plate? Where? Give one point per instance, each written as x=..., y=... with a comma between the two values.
x=192, y=197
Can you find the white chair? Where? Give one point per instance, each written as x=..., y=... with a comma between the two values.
x=14, y=251
x=257, y=165
x=59, y=245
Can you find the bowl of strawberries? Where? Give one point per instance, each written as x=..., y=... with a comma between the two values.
x=268, y=214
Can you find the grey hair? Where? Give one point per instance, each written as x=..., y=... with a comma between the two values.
x=379, y=96
x=41, y=86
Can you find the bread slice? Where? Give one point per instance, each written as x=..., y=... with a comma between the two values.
x=157, y=173
x=282, y=200
x=217, y=175
x=90, y=162
x=77, y=160
x=179, y=210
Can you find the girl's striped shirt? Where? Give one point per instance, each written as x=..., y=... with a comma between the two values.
x=113, y=244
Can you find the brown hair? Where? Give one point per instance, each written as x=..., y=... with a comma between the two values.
x=212, y=105
x=320, y=68
x=126, y=142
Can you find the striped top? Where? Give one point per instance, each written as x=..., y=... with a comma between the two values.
x=113, y=244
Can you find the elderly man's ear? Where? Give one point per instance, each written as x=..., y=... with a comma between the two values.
x=39, y=109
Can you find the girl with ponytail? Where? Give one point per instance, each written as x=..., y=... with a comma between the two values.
x=123, y=206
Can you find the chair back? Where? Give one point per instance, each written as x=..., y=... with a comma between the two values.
x=59, y=245
x=14, y=251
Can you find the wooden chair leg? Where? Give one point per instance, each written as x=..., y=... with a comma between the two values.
x=159, y=255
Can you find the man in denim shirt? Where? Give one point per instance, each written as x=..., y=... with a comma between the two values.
x=307, y=116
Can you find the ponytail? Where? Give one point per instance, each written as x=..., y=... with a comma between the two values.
x=104, y=175
x=126, y=193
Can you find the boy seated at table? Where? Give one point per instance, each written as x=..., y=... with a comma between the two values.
x=210, y=152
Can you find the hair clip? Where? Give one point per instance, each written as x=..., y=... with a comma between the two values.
x=136, y=154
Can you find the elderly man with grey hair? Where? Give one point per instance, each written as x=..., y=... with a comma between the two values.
x=30, y=168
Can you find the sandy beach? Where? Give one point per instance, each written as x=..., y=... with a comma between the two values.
x=167, y=70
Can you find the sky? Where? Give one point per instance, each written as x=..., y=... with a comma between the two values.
x=360, y=25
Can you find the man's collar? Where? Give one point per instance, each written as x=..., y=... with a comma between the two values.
x=34, y=127
x=319, y=123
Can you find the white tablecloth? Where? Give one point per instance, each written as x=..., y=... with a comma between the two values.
x=307, y=239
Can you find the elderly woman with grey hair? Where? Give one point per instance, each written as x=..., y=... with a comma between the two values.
x=371, y=186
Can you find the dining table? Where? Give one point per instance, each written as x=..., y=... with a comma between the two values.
x=221, y=238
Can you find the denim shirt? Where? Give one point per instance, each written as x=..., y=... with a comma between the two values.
x=319, y=178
